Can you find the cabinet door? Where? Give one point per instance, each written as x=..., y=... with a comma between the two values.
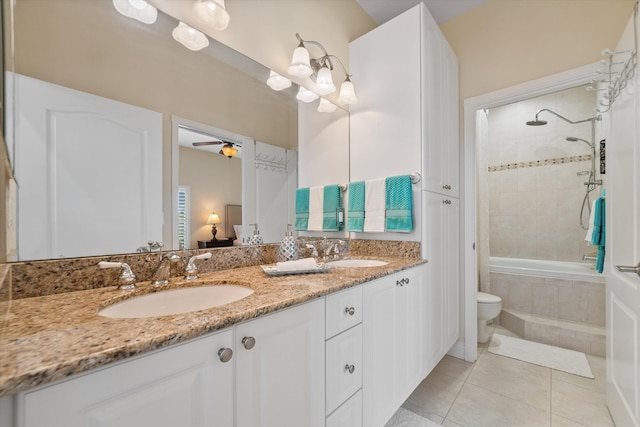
x=440, y=102
x=186, y=385
x=344, y=367
x=451, y=304
x=280, y=380
x=393, y=334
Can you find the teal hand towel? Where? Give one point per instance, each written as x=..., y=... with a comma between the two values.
x=399, y=204
x=355, y=217
x=331, y=205
x=599, y=232
x=302, y=208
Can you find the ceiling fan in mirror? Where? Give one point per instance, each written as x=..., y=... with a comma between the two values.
x=228, y=148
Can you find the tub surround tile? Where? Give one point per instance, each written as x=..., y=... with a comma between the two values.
x=572, y=300
x=45, y=338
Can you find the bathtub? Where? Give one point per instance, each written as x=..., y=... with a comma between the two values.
x=580, y=271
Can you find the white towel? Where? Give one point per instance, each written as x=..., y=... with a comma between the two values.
x=374, y=205
x=316, y=208
x=592, y=217
x=297, y=265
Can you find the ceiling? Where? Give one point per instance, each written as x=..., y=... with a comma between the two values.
x=442, y=10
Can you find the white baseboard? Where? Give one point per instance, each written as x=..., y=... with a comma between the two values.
x=457, y=350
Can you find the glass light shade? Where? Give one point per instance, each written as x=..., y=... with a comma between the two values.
x=300, y=66
x=214, y=218
x=229, y=151
x=137, y=9
x=324, y=82
x=326, y=106
x=347, y=94
x=305, y=95
x=190, y=37
x=278, y=82
x=212, y=13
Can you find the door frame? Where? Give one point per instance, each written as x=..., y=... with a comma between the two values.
x=556, y=82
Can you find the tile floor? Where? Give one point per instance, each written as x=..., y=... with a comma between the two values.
x=500, y=391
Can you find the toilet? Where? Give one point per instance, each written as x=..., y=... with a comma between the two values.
x=489, y=307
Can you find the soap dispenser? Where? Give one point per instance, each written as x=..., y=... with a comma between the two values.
x=288, y=249
x=256, y=239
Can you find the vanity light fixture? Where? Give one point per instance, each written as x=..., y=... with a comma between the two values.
x=137, y=9
x=213, y=219
x=305, y=95
x=319, y=70
x=326, y=106
x=190, y=37
x=278, y=82
x=212, y=13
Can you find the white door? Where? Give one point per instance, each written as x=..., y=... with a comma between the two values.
x=623, y=249
x=89, y=171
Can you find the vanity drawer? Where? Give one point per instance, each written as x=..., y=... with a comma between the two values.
x=343, y=310
x=343, y=367
x=349, y=414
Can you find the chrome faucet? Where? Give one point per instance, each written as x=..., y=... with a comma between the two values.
x=160, y=275
x=126, y=280
x=191, y=271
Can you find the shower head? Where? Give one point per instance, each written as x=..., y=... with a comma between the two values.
x=536, y=122
x=574, y=139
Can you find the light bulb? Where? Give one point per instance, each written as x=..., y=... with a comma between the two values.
x=190, y=37
x=137, y=9
x=305, y=95
x=347, y=93
x=212, y=13
x=300, y=66
x=324, y=82
x=278, y=82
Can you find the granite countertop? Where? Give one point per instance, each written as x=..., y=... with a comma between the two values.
x=48, y=338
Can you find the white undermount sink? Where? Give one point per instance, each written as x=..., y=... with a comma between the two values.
x=358, y=263
x=176, y=301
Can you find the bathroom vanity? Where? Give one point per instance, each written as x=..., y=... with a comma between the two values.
x=345, y=347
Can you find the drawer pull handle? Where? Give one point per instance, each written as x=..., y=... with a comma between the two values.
x=225, y=354
x=402, y=282
x=248, y=342
x=350, y=311
x=349, y=368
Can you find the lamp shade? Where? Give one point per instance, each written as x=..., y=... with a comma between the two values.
x=214, y=218
x=300, y=66
x=190, y=37
x=347, y=93
x=137, y=9
x=278, y=82
x=212, y=13
x=324, y=82
x=326, y=106
x=305, y=95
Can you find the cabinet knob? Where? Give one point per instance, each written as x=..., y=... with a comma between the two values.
x=349, y=368
x=446, y=201
x=248, y=342
x=350, y=311
x=225, y=354
x=446, y=187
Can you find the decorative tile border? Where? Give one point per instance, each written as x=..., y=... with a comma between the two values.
x=536, y=163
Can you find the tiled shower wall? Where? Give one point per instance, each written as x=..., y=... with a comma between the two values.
x=534, y=186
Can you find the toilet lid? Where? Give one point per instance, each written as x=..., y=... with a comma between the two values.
x=485, y=298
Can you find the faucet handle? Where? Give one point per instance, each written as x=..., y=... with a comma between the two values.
x=126, y=280
x=191, y=270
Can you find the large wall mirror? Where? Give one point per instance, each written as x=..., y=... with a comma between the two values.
x=88, y=47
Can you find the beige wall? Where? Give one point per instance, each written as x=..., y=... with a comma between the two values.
x=506, y=42
x=215, y=181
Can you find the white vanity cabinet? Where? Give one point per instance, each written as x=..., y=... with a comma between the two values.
x=187, y=385
x=280, y=368
x=394, y=334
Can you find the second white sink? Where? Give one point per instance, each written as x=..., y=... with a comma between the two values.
x=176, y=301
x=358, y=263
